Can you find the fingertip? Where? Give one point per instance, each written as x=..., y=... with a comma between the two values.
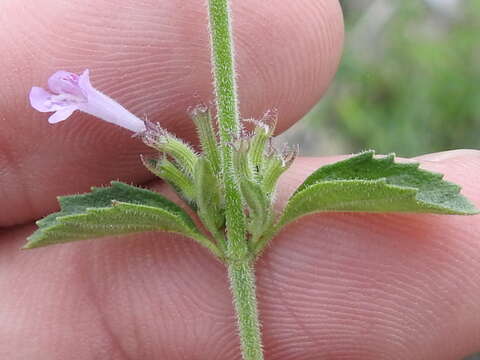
x=460, y=166
x=293, y=61
x=154, y=60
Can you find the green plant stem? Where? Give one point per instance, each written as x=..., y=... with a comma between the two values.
x=238, y=257
x=224, y=69
x=242, y=282
x=228, y=123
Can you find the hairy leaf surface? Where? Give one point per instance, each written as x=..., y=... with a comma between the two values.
x=368, y=184
x=115, y=210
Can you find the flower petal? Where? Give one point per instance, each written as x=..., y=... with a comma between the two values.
x=84, y=83
x=70, y=92
x=61, y=114
x=64, y=82
x=40, y=99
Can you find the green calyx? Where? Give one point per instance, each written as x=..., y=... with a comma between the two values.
x=197, y=177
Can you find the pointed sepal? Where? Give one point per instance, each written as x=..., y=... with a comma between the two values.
x=202, y=118
x=210, y=202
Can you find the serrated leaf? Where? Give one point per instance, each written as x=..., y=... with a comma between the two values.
x=116, y=210
x=368, y=184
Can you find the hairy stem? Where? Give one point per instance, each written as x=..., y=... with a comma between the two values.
x=224, y=69
x=242, y=282
x=228, y=123
x=238, y=257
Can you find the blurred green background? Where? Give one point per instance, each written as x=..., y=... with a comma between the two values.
x=409, y=81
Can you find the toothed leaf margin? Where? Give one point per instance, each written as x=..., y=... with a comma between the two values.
x=366, y=183
x=108, y=211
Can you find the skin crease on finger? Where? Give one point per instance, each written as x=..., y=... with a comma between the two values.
x=154, y=58
x=370, y=287
x=333, y=286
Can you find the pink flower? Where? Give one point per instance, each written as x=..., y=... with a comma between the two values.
x=69, y=92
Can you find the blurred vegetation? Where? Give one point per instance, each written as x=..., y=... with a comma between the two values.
x=409, y=82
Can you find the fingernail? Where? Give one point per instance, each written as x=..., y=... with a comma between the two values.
x=448, y=155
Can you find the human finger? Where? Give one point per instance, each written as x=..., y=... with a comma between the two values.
x=154, y=58
x=357, y=286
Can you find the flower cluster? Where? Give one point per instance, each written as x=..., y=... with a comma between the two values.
x=197, y=177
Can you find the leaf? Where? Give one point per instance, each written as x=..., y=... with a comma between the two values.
x=116, y=210
x=368, y=184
